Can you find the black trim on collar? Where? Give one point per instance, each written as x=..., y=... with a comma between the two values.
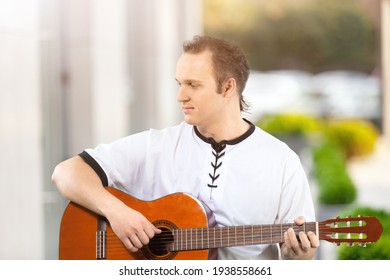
x=95, y=166
x=219, y=146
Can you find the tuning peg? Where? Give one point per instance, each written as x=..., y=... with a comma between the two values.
x=363, y=244
x=349, y=244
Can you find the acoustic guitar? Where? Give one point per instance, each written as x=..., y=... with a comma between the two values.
x=185, y=232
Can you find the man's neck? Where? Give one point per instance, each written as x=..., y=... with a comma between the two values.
x=225, y=130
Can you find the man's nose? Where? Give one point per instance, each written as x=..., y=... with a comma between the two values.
x=181, y=95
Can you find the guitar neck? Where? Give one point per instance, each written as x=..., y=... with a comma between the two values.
x=207, y=238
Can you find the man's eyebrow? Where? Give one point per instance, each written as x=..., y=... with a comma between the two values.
x=188, y=81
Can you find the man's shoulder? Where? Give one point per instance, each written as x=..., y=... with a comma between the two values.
x=171, y=133
x=272, y=144
x=179, y=128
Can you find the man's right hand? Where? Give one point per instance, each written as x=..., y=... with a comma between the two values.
x=131, y=227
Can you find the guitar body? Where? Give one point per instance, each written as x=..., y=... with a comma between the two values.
x=79, y=227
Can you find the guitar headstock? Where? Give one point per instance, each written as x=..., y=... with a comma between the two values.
x=359, y=230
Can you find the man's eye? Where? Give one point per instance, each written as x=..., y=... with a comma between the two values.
x=193, y=85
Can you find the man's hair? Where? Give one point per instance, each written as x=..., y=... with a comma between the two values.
x=228, y=61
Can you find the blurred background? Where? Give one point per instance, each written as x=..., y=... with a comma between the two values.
x=76, y=73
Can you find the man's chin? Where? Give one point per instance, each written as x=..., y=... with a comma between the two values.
x=189, y=121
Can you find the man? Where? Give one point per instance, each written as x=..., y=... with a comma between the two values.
x=242, y=174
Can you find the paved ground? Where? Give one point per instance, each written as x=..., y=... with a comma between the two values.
x=372, y=177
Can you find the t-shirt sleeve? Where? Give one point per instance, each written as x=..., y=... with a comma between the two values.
x=296, y=197
x=119, y=164
x=95, y=166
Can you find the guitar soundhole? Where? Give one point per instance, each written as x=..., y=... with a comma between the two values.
x=160, y=242
x=159, y=247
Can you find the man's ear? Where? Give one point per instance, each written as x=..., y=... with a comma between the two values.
x=229, y=87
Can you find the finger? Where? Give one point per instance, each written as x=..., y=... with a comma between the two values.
x=156, y=230
x=294, y=241
x=287, y=240
x=129, y=246
x=287, y=245
x=143, y=237
x=151, y=231
x=135, y=241
x=314, y=241
x=305, y=243
x=300, y=220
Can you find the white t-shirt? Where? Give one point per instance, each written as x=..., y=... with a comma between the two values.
x=255, y=179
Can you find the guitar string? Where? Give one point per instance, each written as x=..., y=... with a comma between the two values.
x=165, y=238
x=275, y=230
x=192, y=246
x=240, y=233
x=247, y=230
x=164, y=241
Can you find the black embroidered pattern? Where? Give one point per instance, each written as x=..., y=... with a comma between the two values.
x=218, y=153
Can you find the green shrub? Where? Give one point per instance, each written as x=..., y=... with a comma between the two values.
x=379, y=250
x=355, y=137
x=334, y=183
x=333, y=142
x=289, y=124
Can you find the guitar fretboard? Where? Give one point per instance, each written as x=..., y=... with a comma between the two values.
x=207, y=238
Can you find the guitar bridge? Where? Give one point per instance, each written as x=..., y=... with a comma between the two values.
x=101, y=245
x=101, y=238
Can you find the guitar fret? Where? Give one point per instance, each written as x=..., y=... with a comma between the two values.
x=281, y=233
x=208, y=238
x=244, y=233
x=213, y=238
x=220, y=240
x=188, y=233
x=252, y=233
x=261, y=238
x=216, y=238
x=234, y=237
x=196, y=238
x=187, y=241
x=173, y=243
x=202, y=239
x=228, y=237
x=181, y=239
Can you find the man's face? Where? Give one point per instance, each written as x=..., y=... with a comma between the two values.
x=201, y=104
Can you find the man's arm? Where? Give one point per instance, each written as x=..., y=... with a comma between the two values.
x=78, y=182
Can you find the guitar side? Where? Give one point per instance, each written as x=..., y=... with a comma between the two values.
x=79, y=227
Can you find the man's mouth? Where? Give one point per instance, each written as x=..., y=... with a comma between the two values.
x=187, y=109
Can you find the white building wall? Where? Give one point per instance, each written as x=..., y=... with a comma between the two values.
x=21, y=207
x=74, y=74
x=157, y=30
x=385, y=47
